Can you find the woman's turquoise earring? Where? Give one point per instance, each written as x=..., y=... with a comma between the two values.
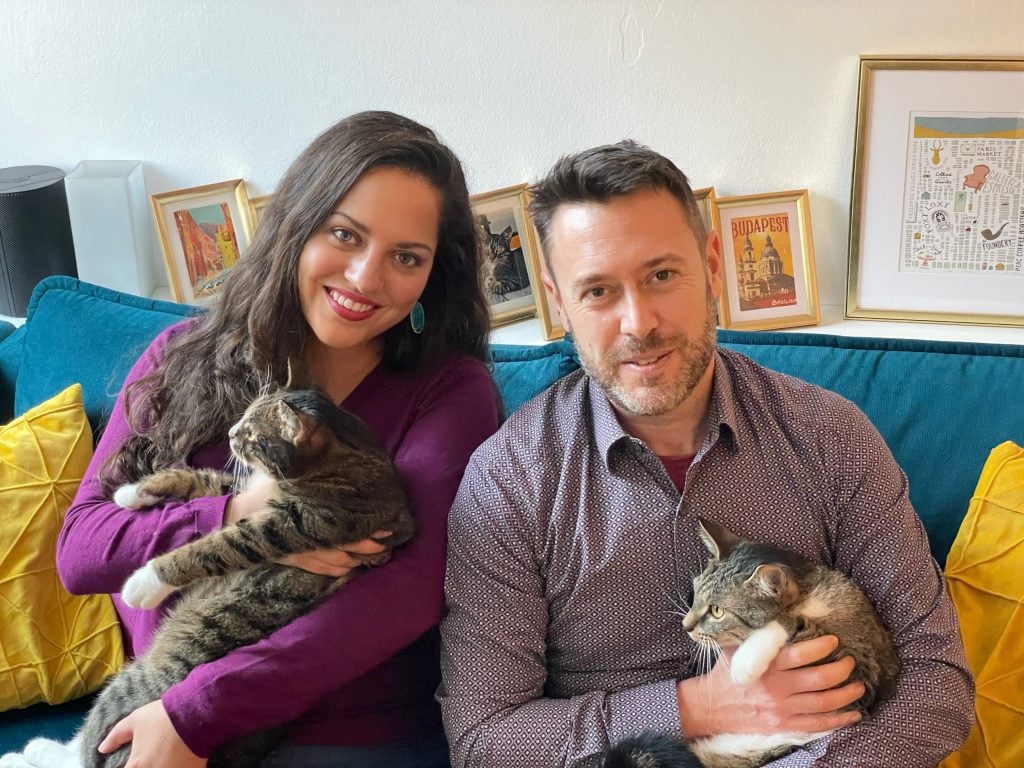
x=417, y=318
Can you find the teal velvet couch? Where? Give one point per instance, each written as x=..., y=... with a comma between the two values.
x=941, y=407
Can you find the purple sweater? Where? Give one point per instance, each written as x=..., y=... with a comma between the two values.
x=361, y=667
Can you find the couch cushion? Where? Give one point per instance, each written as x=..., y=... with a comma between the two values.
x=77, y=332
x=54, y=646
x=940, y=406
x=521, y=372
x=984, y=576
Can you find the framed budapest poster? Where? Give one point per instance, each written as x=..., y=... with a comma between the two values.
x=767, y=262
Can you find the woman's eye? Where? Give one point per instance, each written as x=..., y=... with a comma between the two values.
x=716, y=611
x=407, y=259
x=343, y=235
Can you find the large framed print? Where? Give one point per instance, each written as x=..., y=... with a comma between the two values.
x=937, y=202
x=769, y=279
x=508, y=247
x=203, y=233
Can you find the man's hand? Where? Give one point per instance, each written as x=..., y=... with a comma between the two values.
x=155, y=743
x=343, y=560
x=790, y=696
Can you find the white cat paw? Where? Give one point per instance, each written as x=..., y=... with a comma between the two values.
x=45, y=753
x=14, y=760
x=747, y=667
x=144, y=588
x=129, y=497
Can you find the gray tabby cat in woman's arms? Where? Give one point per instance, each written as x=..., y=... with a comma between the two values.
x=760, y=597
x=334, y=486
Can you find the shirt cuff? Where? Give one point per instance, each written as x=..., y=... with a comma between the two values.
x=650, y=707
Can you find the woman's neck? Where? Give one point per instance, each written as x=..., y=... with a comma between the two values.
x=339, y=371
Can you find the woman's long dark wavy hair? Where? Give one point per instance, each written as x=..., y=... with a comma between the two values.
x=209, y=374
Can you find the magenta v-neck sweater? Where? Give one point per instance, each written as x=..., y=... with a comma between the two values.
x=361, y=667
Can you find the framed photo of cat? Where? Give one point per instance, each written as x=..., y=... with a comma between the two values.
x=203, y=233
x=512, y=262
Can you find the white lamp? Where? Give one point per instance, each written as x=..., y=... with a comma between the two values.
x=110, y=225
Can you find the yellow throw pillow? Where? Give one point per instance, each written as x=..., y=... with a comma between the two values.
x=985, y=573
x=54, y=646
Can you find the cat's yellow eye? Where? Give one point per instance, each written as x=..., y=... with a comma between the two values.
x=716, y=612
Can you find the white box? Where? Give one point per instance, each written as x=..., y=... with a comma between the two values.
x=111, y=226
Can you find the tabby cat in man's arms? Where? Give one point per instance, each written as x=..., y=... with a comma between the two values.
x=333, y=486
x=760, y=597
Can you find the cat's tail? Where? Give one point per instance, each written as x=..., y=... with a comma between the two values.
x=650, y=750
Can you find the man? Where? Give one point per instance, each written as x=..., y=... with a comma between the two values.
x=573, y=540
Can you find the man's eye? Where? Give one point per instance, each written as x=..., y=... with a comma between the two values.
x=595, y=293
x=715, y=611
x=662, y=275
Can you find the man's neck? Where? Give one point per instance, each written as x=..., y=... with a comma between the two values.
x=679, y=432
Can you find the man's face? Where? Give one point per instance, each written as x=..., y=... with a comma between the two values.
x=631, y=286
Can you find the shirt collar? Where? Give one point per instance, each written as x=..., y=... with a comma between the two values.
x=608, y=432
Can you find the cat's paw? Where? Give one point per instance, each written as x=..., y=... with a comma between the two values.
x=45, y=753
x=133, y=497
x=144, y=589
x=748, y=665
x=14, y=760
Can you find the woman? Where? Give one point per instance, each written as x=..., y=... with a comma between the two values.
x=366, y=262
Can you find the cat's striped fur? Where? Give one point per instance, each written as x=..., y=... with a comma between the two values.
x=759, y=597
x=334, y=486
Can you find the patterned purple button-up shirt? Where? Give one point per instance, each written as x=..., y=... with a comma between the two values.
x=569, y=549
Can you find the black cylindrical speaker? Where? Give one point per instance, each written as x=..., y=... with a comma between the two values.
x=35, y=233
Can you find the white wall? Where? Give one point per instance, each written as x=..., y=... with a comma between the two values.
x=745, y=95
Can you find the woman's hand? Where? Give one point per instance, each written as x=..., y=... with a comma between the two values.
x=155, y=743
x=250, y=501
x=341, y=561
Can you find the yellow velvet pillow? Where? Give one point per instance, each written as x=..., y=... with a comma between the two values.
x=54, y=646
x=985, y=573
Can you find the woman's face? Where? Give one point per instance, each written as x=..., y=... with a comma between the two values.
x=363, y=269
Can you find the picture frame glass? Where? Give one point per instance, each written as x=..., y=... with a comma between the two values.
x=937, y=214
x=204, y=232
x=767, y=263
x=507, y=248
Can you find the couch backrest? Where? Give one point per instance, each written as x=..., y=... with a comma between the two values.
x=940, y=406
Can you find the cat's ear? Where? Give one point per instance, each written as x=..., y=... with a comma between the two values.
x=291, y=424
x=718, y=539
x=297, y=427
x=775, y=581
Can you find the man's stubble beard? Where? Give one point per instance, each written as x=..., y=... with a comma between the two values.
x=655, y=399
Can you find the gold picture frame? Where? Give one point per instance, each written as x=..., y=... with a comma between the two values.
x=936, y=210
x=509, y=253
x=767, y=283
x=256, y=206
x=705, y=198
x=203, y=232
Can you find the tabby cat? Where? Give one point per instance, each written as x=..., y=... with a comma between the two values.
x=760, y=597
x=334, y=486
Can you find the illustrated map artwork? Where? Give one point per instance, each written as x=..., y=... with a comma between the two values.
x=962, y=200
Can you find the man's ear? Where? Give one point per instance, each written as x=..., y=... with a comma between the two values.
x=552, y=289
x=713, y=262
